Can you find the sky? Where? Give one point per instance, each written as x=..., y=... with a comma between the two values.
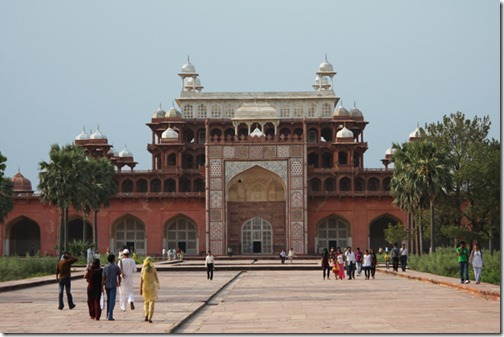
x=65, y=65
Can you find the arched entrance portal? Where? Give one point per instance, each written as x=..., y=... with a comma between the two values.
x=333, y=232
x=182, y=233
x=257, y=237
x=129, y=233
x=24, y=237
x=75, y=231
x=377, y=232
x=249, y=193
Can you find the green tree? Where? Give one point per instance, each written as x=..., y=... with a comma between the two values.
x=6, y=196
x=59, y=181
x=395, y=233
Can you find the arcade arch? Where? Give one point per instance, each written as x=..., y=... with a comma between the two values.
x=181, y=232
x=129, y=232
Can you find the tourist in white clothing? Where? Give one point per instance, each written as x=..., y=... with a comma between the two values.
x=350, y=258
x=209, y=264
x=366, y=264
x=476, y=259
x=128, y=267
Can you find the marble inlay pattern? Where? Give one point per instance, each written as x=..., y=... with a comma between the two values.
x=215, y=167
x=297, y=198
x=216, y=231
x=229, y=152
x=283, y=151
x=215, y=151
x=296, y=167
x=279, y=167
x=216, y=199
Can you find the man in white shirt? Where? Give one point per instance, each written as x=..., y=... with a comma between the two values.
x=209, y=264
x=128, y=267
x=404, y=257
x=350, y=258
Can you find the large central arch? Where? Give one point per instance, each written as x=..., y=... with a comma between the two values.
x=249, y=193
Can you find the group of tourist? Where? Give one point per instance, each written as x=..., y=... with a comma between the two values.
x=348, y=261
x=475, y=257
x=106, y=280
x=172, y=254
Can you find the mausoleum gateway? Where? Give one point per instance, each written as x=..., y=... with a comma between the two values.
x=254, y=171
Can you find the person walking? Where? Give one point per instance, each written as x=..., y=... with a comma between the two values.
x=395, y=257
x=350, y=258
x=325, y=264
x=90, y=256
x=386, y=258
x=63, y=276
x=476, y=259
x=163, y=254
x=209, y=265
x=366, y=264
x=128, y=267
x=341, y=263
x=358, y=261
x=291, y=255
x=111, y=280
x=149, y=285
x=374, y=262
x=94, y=289
x=403, y=257
x=463, y=258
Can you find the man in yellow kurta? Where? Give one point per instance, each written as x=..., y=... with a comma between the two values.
x=149, y=285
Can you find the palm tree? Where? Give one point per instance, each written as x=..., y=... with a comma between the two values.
x=59, y=180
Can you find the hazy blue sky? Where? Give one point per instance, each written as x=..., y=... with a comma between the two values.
x=69, y=64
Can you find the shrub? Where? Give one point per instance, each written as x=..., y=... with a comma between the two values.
x=16, y=268
x=444, y=262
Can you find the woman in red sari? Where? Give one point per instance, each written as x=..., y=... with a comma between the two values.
x=340, y=257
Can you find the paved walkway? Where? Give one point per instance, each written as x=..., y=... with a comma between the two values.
x=267, y=301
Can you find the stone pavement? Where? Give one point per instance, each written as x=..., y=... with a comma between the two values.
x=267, y=301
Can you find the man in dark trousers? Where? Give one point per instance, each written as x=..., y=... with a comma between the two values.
x=63, y=277
x=395, y=258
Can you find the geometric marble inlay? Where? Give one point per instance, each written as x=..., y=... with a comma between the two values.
x=296, y=151
x=215, y=168
x=216, y=183
x=232, y=168
x=296, y=182
x=229, y=152
x=216, y=231
x=255, y=152
x=296, y=167
x=297, y=214
x=216, y=200
x=215, y=151
x=296, y=198
x=296, y=230
x=241, y=152
x=269, y=151
x=283, y=151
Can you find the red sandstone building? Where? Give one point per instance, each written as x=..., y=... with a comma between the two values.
x=254, y=171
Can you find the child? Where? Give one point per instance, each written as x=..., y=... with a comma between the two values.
x=335, y=268
x=386, y=257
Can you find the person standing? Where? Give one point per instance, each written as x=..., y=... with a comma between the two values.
x=386, y=258
x=111, y=280
x=128, y=267
x=341, y=263
x=282, y=256
x=63, y=276
x=163, y=254
x=350, y=258
x=395, y=258
x=325, y=264
x=94, y=289
x=374, y=262
x=230, y=252
x=367, y=264
x=358, y=261
x=291, y=255
x=463, y=258
x=90, y=256
x=476, y=259
x=404, y=256
x=209, y=265
x=149, y=285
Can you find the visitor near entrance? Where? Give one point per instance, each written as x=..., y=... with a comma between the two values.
x=463, y=259
x=282, y=256
x=94, y=277
x=395, y=258
x=209, y=265
x=374, y=262
x=476, y=259
x=358, y=261
x=325, y=264
x=403, y=257
x=63, y=277
x=340, y=257
x=128, y=267
x=111, y=280
x=149, y=285
x=366, y=264
x=291, y=255
x=350, y=258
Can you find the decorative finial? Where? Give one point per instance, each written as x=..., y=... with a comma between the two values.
x=354, y=104
x=326, y=57
x=19, y=170
x=188, y=61
x=98, y=127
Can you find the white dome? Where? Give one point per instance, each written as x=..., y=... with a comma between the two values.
x=169, y=134
x=172, y=112
x=415, y=134
x=188, y=67
x=326, y=67
x=390, y=151
x=125, y=153
x=82, y=136
x=160, y=113
x=344, y=133
x=341, y=111
x=98, y=135
x=112, y=152
x=355, y=112
x=256, y=132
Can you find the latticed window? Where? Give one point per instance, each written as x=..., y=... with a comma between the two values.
x=284, y=112
x=182, y=233
x=257, y=236
x=326, y=110
x=298, y=112
x=202, y=112
x=130, y=233
x=311, y=110
x=216, y=111
x=228, y=112
x=188, y=111
x=332, y=232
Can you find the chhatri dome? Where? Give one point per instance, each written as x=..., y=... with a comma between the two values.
x=170, y=134
x=344, y=133
x=83, y=135
x=20, y=183
x=340, y=111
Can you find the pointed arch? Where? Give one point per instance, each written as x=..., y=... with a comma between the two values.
x=333, y=231
x=377, y=228
x=23, y=236
x=128, y=232
x=181, y=232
